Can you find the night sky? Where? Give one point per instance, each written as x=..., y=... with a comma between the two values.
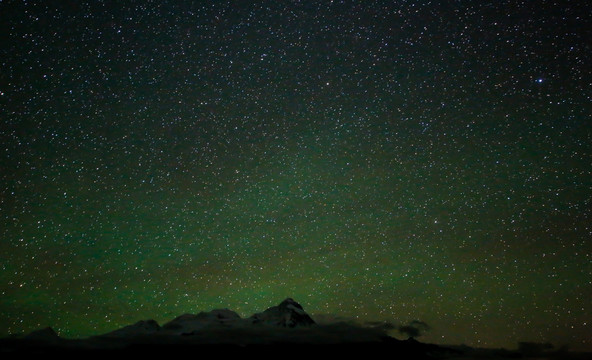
x=374, y=160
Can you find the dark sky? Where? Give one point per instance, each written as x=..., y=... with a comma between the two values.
x=379, y=160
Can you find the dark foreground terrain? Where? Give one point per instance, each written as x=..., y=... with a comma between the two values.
x=389, y=347
x=80, y=348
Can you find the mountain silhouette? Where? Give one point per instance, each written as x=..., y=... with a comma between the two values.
x=284, y=327
x=287, y=314
x=286, y=324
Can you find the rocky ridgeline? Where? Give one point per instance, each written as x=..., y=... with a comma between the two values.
x=288, y=314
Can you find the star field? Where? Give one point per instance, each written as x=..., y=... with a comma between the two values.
x=376, y=160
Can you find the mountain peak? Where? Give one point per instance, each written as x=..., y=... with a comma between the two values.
x=288, y=313
x=289, y=301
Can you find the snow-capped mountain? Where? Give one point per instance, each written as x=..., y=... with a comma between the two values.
x=189, y=323
x=287, y=314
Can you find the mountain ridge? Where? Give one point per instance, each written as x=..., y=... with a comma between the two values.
x=288, y=314
x=286, y=326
